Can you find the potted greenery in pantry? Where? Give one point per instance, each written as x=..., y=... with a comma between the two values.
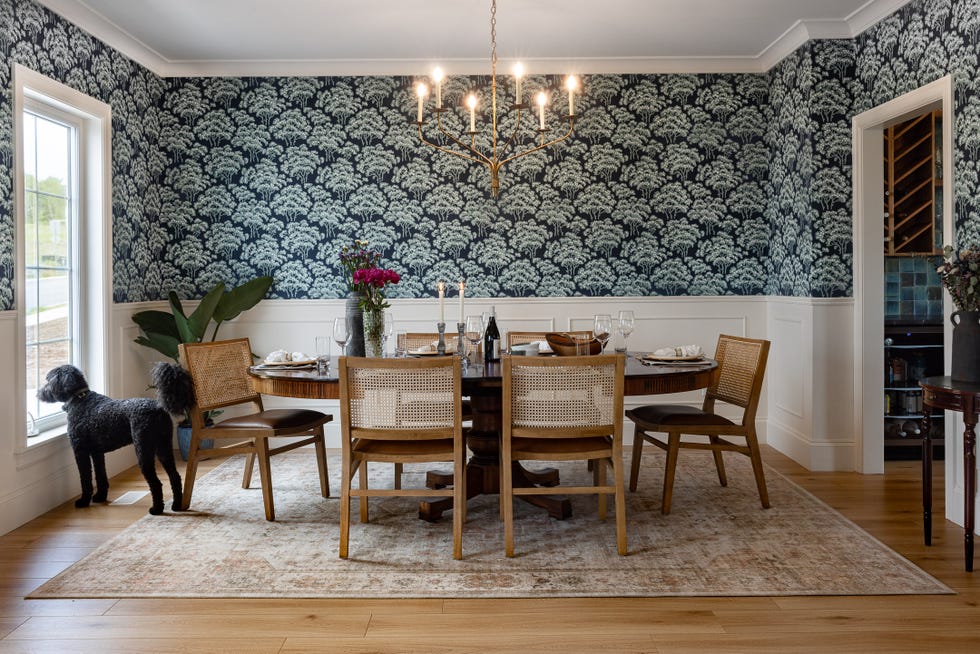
x=163, y=331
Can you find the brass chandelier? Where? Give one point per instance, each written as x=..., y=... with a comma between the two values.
x=500, y=151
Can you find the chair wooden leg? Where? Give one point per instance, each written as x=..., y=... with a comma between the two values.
x=345, y=477
x=719, y=461
x=599, y=466
x=620, y=497
x=507, y=497
x=362, y=483
x=635, y=458
x=249, y=467
x=398, y=476
x=673, y=446
x=190, y=472
x=265, y=476
x=321, y=462
x=459, y=503
x=760, y=475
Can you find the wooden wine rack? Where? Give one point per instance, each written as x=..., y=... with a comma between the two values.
x=912, y=177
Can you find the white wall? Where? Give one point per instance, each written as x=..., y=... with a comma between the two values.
x=804, y=411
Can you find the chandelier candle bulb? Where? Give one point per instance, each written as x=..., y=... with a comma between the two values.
x=571, y=83
x=518, y=71
x=422, y=92
x=471, y=101
x=437, y=79
x=442, y=302
x=542, y=100
x=462, y=291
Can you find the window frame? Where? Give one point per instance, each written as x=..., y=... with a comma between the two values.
x=76, y=171
x=92, y=242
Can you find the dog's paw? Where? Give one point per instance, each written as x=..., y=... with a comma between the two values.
x=156, y=509
x=101, y=496
x=82, y=502
x=176, y=506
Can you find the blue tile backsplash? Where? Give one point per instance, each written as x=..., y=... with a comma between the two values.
x=912, y=289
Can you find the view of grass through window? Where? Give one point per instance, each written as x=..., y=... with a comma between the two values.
x=48, y=232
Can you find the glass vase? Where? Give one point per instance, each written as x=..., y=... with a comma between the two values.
x=374, y=329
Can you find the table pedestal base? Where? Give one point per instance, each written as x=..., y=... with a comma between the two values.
x=483, y=478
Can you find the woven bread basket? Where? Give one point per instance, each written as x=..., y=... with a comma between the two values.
x=563, y=344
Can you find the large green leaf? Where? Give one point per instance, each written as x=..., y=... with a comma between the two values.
x=156, y=322
x=162, y=343
x=202, y=315
x=242, y=298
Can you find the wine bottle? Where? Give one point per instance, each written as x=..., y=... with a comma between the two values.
x=491, y=338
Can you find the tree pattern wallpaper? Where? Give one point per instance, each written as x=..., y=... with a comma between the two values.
x=672, y=184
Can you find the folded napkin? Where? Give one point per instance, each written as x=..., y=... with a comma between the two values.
x=282, y=356
x=680, y=351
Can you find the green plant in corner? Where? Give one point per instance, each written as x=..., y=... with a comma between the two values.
x=163, y=331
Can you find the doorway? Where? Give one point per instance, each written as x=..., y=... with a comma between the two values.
x=868, y=149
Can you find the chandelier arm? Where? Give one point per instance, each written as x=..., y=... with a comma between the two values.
x=481, y=160
x=510, y=141
x=476, y=156
x=571, y=128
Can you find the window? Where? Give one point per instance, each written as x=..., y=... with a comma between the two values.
x=50, y=222
x=62, y=204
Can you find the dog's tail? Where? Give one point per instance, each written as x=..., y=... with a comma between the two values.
x=175, y=391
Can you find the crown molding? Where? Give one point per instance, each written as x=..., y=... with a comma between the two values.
x=113, y=35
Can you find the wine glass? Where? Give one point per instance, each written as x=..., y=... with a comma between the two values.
x=602, y=328
x=473, y=331
x=389, y=328
x=625, y=327
x=341, y=333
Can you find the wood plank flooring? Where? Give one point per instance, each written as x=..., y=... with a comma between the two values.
x=888, y=506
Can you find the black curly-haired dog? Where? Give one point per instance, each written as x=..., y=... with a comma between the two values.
x=98, y=424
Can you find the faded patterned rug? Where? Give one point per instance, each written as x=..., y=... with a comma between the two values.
x=716, y=541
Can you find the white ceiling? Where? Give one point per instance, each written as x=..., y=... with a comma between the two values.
x=395, y=37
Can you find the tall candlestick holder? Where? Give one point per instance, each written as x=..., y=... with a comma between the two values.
x=441, y=348
x=460, y=347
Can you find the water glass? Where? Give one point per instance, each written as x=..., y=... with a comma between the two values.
x=625, y=327
x=322, y=356
x=389, y=328
x=401, y=340
x=583, y=342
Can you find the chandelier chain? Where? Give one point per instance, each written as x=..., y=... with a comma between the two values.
x=493, y=38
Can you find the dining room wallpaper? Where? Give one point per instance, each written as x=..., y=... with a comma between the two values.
x=659, y=192
x=672, y=184
x=34, y=37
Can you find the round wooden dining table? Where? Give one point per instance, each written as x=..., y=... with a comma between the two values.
x=482, y=383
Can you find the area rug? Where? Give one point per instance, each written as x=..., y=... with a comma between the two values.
x=715, y=542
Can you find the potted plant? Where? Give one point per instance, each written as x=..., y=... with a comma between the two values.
x=163, y=331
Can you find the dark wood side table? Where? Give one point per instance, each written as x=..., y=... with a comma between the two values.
x=944, y=393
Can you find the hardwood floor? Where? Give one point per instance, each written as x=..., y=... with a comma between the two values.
x=888, y=506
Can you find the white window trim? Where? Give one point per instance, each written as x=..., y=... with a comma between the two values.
x=94, y=240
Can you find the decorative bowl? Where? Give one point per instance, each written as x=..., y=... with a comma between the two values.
x=564, y=345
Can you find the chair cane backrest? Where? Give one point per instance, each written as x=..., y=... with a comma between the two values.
x=414, y=399
x=219, y=371
x=566, y=396
x=741, y=368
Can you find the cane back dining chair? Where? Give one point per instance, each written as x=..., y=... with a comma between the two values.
x=564, y=409
x=737, y=381
x=400, y=411
x=219, y=372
